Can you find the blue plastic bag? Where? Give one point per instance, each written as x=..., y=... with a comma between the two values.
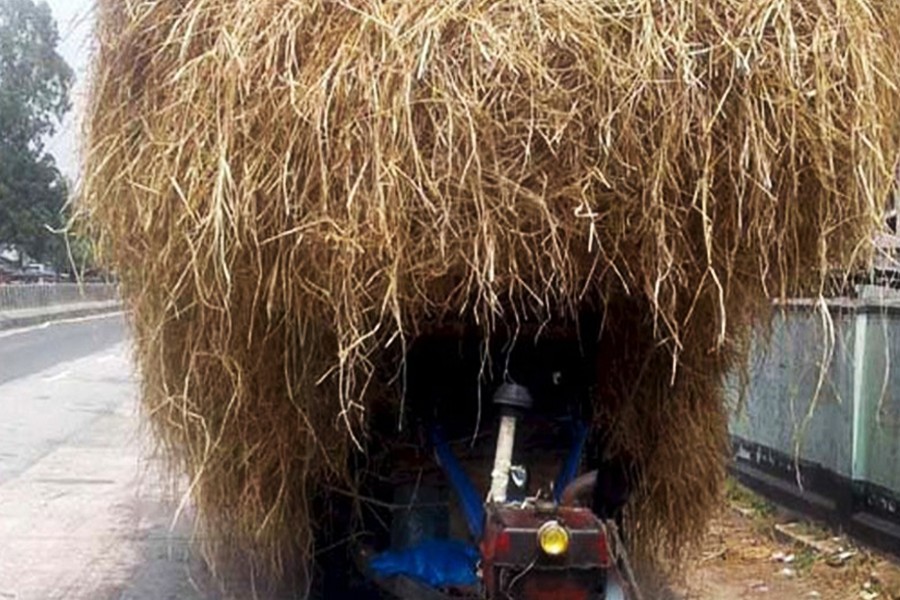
x=438, y=563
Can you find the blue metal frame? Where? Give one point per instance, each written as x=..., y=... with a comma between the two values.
x=569, y=470
x=472, y=503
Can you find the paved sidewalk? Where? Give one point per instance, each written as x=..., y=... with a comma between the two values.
x=27, y=317
x=84, y=514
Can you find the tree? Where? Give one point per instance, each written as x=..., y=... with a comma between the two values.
x=34, y=96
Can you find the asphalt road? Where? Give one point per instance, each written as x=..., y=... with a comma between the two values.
x=27, y=351
x=83, y=512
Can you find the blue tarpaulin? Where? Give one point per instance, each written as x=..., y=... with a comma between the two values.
x=438, y=563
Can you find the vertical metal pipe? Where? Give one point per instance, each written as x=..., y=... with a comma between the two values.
x=503, y=459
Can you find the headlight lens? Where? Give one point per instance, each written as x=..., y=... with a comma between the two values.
x=553, y=538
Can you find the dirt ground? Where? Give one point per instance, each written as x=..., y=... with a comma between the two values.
x=757, y=552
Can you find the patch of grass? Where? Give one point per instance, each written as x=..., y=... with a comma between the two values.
x=813, y=530
x=804, y=560
x=742, y=497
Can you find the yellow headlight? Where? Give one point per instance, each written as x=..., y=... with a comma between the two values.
x=553, y=538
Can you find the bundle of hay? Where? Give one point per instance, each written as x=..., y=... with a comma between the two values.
x=291, y=190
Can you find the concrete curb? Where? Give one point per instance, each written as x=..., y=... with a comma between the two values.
x=10, y=320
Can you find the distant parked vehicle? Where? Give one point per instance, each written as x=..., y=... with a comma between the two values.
x=38, y=273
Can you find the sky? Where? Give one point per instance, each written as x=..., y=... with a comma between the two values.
x=74, y=19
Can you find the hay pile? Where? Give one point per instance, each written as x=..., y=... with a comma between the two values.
x=291, y=191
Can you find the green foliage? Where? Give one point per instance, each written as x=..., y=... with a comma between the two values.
x=34, y=96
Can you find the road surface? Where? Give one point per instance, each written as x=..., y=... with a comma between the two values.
x=82, y=513
x=27, y=351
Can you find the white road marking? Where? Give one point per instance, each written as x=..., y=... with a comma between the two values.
x=61, y=322
x=111, y=357
x=58, y=376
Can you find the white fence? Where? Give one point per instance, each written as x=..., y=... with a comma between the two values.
x=38, y=295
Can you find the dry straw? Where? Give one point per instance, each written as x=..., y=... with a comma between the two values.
x=290, y=189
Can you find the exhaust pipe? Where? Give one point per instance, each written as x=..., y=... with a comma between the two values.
x=514, y=400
